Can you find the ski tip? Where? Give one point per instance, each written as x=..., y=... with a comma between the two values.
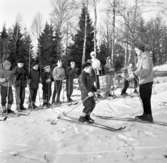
x=4, y=118
x=60, y=116
x=123, y=127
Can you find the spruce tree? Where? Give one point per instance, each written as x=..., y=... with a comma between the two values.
x=15, y=44
x=26, y=50
x=4, y=41
x=56, y=48
x=77, y=48
x=48, y=46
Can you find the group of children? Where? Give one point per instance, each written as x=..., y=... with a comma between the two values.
x=88, y=83
x=19, y=77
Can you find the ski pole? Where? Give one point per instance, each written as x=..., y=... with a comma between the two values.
x=30, y=97
x=63, y=88
x=65, y=113
x=7, y=99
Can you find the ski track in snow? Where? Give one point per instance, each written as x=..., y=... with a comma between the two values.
x=42, y=138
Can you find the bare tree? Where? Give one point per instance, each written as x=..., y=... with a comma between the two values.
x=95, y=24
x=64, y=11
x=37, y=25
x=129, y=15
x=113, y=30
x=85, y=32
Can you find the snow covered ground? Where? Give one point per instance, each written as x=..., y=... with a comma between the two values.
x=161, y=67
x=42, y=138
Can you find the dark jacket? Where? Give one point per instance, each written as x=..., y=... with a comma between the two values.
x=9, y=77
x=45, y=76
x=86, y=84
x=71, y=73
x=34, y=78
x=21, y=77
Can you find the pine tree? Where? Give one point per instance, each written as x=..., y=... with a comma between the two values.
x=56, y=48
x=48, y=46
x=77, y=48
x=4, y=41
x=103, y=54
x=15, y=44
x=26, y=50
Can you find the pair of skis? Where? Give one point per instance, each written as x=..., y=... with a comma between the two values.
x=131, y=119
x=4, y=117
x=75, y=120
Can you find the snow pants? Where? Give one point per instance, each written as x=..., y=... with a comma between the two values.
x=145, y=91
x=69, y=87
x=126, y=85
x=89, y=105
x=109, y=82
x=20, y=96
x=33, y=94
x=46, y=92
x=6, y=92
x=57, y=91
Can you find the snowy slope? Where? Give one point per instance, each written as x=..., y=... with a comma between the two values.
x=42, y=138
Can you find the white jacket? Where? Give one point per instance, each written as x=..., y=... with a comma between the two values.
x=96, y=65
x=145, y=69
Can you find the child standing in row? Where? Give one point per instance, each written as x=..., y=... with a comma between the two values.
x=58, y=75
x=6, y=81
x=20, y=84
x=71, y=74
x=34, y=80
x=46, y=82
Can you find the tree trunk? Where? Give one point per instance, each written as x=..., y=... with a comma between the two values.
x=134, y=30
x=85, y=35
x=113, y=32
x=95, y=26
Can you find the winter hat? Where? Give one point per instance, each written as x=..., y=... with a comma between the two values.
x=35, y=63
x=93, y=54
x=46, y=67
x=7, y=65
x=20, y=60
x=87, y=64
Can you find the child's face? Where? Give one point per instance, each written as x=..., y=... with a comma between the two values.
x=20, y=65
x=35, y=67
x=109, y=60
x=88, y=69
x=72, y=64
x=47, y=69
x=138, y=52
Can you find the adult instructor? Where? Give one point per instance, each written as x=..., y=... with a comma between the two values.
x=144, y=72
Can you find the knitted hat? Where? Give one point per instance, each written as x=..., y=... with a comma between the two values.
x=46, y=66
x=35, y=63
x=20, y=60
x=87, y=64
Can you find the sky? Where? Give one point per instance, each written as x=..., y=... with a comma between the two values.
x=10, y=9
x=27, y=9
